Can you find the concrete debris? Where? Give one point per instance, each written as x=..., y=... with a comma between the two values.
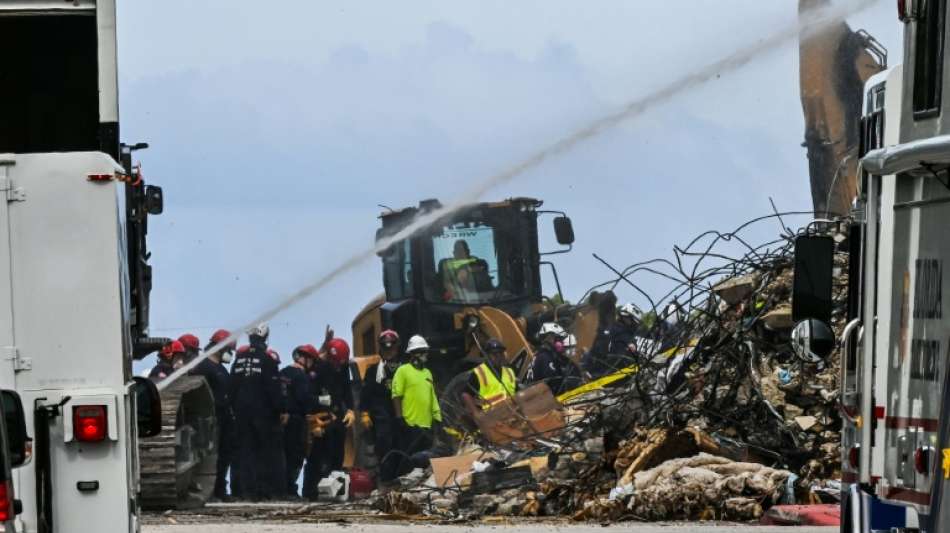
x=717, y=420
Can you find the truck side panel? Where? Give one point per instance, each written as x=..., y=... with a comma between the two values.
x=70, y=317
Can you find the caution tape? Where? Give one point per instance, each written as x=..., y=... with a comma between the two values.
x=598, y=383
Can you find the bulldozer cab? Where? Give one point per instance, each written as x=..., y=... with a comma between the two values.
x=439, y=280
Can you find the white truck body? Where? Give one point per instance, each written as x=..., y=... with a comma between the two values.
x=900, y=398
x=64, y=306
x=65, y=303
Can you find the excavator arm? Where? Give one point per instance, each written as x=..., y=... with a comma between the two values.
x=834, y=65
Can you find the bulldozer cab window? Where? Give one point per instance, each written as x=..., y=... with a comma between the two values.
x=397, y=269
x=928, y=60
x=471, y=264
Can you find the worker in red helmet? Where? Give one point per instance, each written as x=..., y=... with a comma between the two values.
x=219, y=379
x=166, y=360
x=330, y=376
x=300, y=399
x=376, y=406
x=260, y=410
x=192, y=347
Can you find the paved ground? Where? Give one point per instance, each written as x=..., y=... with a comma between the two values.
x=258, y=527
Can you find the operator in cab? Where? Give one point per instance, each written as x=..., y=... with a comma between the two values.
x=219, y=379
x=492, y=382
x=377, y=407
x=300, y=399
x=333, y=411
x=415, y=403
x=464, y=275
x=166, y=361
x=260, y=410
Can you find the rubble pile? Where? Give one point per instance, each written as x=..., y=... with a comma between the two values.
x=719, y=420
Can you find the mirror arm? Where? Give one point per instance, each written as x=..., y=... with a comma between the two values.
x=562, y=251
x=557, y=281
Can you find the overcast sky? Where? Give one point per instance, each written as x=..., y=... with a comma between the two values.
x=276, y=133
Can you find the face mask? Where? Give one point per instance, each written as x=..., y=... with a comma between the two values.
x=226, y=357
x=419, y=359
x=558, y=346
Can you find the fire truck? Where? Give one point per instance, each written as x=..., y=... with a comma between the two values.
x=74, y=276
x=895, y=345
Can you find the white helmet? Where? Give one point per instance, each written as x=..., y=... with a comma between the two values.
x=630, y=311
x=261, y=330
x=417, y=344
x=551, y=328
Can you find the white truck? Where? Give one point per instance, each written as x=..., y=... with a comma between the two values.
x=74, y=278
x=895, y=385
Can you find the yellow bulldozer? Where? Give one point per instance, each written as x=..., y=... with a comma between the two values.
x=469, y=277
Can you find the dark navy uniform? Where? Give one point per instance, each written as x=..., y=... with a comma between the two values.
x=376, y=399
x=258, y=401
x=610, y=351
x=554, y=369
x=161, y=371
x=334, y=395
x=219, y=380
x=300, y=401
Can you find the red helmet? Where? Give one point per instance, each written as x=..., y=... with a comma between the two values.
x=190, y=342
x=307, y=350
x=338, y=351
x=172, y=348
x=388, y=338
x=220, y=335
x=274, y=355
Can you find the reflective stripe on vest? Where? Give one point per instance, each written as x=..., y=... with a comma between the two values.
x=490, y=389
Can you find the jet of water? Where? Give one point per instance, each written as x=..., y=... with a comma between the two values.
x=806, y=24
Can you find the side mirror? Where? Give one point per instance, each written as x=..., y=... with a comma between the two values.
x=154, y=200
x=564, y=230
x=812, y=340
x=148, y=407
x=814, y=272
x=15, y=421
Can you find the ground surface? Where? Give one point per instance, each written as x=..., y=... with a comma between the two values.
x=348, y=518
x=258, y=527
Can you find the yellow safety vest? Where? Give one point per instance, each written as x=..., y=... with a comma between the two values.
x=490, y=389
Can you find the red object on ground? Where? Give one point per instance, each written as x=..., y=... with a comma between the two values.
x=361, y=484
x=803, y=515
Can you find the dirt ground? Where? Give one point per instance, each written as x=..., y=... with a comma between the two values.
x=355, y=518
x=258, y=527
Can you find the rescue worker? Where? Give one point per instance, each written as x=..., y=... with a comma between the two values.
x=166, y=358
x=334, y=402
x=259, y=410
x=415, y=403
x=551, y=364
x=300, y=398
x=615, y=346
x=376, y=406
x=192, y=347
x=219, y=379
x=492, y=381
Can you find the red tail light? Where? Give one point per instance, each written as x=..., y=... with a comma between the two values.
x=902, y=10
x=6, y=506
x=854, y=457
x=90, y=423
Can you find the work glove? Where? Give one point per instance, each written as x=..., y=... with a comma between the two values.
x=366, y=420
x=348, y=418
x=284, y=417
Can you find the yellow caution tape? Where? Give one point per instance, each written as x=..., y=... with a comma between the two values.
x=598, y=383
x=946, y=463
